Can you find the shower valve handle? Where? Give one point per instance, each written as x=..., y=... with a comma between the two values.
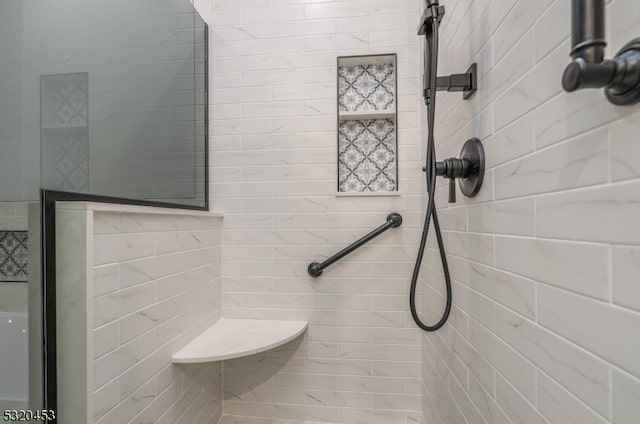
x=468, y=169
x=453, y=168
x=452, y=190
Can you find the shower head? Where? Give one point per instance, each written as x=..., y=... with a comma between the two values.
x=429, y=22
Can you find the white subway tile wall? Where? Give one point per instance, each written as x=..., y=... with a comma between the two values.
x=545, y=322
x=156, y=286
x=274, y=174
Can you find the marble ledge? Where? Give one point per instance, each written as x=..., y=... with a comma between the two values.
x=368, y=194
x=235, y=338
x=114, y=207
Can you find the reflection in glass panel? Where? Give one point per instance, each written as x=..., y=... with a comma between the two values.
x=103, y=98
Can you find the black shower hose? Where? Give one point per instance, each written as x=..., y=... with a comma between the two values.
x=431, y=61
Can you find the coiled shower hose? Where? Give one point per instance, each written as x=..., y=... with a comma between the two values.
x=431, y=64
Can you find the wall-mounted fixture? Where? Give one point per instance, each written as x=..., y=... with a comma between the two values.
x=394, y=220
x=468, y=169
x=620, y=77
x=467, y=82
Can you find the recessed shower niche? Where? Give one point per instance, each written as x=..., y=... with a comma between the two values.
x=367, y=125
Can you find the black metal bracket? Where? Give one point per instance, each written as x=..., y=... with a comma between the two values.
x=394, y=220
x=467, y=82
x=620, y=77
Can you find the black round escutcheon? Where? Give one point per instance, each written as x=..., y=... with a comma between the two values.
x=473, y=151
x=625, y=89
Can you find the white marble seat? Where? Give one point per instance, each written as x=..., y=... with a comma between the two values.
x=234, y=338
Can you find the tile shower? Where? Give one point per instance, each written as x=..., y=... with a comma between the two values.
x=503, y=357
x=544, y=261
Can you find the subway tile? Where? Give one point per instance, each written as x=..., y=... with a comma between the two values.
x=105, y=279
x=528, y=93
x=511, y=142
x=342, y=9
x=298, y=412
x=117, y=304
x=551, y=28
x=371, y=351
x=403, y=402
x=106, y=223
x=370, y=384
x=474, y=305
x=115, y=248
x=570, y=114
x=626, y=268
x=580, y=372
x=468, y=409
x=477, y=247
x=513, y=366
x=137, y=223
x=105, y=399
x=114, y=363
x=625, y=15
x=626, y=393
x=516, y=63
x=519, y=409
x=105, y=339
x=512, y=217
x=560, y=407
x=147, y=269
x=588, y=323
x=339, y=399
x=517, y=22
x=556, y=214
x=272, y=14
x=549, y=170
x=479, y=367
x=486, y=404
x=624, y=148
x=582, y=268
x=505, y=288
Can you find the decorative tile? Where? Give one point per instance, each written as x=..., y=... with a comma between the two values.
x=13, y=256
x=65, y=135
x=366, y=87
x=367, y=155
x=65, y=155
x=67, y=100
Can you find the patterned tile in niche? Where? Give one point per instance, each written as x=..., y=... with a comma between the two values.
x=367, y=155
x=366, y=87
x=13, y=256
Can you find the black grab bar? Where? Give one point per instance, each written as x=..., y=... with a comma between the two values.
x=394, y=220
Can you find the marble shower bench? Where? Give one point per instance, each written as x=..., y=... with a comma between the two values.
x=234, y=338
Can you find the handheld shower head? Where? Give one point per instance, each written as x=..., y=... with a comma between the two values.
x=429, y=22
x=432, y=12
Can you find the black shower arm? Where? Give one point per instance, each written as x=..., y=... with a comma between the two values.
x=394, y=220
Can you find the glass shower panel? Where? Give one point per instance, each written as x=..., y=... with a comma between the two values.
x=100, y=98
x=119, y=83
